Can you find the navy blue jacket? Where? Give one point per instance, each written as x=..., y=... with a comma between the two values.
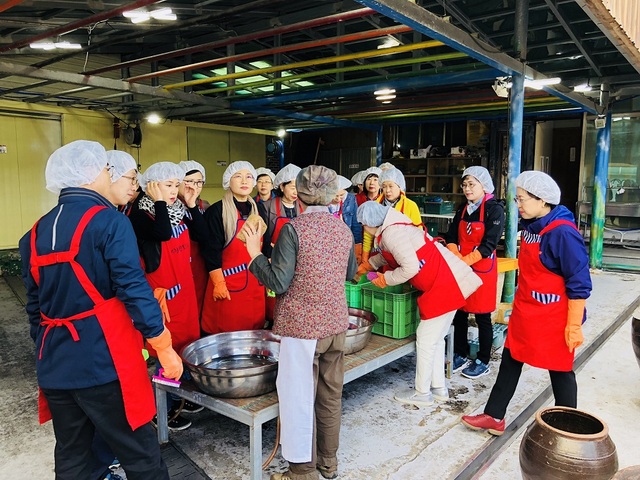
x=563, y=252
x=109, y=255
x=349, y=210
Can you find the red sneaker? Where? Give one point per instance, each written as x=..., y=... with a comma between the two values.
x=484, y=422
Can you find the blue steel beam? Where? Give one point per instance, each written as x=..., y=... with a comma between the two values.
x=427, y=23
x=403, y=83
x=336, y=122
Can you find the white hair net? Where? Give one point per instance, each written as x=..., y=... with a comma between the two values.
x=286, y=174
x=121, y=163
x=74, y=164
x=343, y=183
x=317, y=185
x=358, y=178
x=482, y=175
x=160, y=172
x=393, y=175
x=386, y=166
x=189, y=165
x=265, y=171
x=372, y=171
x=234, y=168
x=541, y=185
x=372, y=213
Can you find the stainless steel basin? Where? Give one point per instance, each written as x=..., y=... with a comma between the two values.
x=359, y=333
x=234, y=364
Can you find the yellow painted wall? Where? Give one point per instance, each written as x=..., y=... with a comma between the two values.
x=30, y=139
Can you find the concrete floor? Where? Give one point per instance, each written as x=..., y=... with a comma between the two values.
x=380, y=439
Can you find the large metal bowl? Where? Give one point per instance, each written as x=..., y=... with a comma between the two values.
x=234, y=364
x=358, y=337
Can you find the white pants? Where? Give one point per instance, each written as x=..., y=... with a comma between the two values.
x=430, y=352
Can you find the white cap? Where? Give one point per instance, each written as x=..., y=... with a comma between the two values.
x=190, y=165
x=358, y=178
x=372, y=214
x=482, y=175
x=386, y=166
x=120, y=163
x=541, y=185
x=74, y=164
x=393, y=175
x=372, y=171
x=286, y=174
x=265, y=171
x=234, y=168
x=160, y=172
x=343, y=183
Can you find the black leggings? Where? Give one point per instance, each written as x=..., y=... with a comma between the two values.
x=485, y=335
x=565, y=388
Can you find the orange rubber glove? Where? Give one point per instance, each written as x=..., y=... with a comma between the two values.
x=573, y=331
x=167, y=356
x=358, y=250
x=160, y=295
x=363, y=268
x=365, y=255
x=379, y=280
x=453, y=248
x=220, y=291
x=472, y=257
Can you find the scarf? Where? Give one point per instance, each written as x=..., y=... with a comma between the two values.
x=230, y=215
x=176, y=211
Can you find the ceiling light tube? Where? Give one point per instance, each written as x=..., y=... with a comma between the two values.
x=385, y=91
x=67, y=45
x=541, y=82
x=385, y=97
x=43, y=45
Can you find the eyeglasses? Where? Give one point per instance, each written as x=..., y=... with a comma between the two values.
x=134, y=179
x=470, y=186
x=265, y=182
x=194, y=183
x=520, y=201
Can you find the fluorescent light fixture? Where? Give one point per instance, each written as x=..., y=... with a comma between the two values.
x=583, y=88
x=43, y=45
x=542, y=82
x=575, y=57
x=53, y=45
x=387, y=101
x=153, y=118
x=617, y=119
x=385, y=97
x=389, y=43
x=385, y=91
x=142, y=15
x=282, y=132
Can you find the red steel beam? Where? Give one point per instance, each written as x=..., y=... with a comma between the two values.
x=78, y=24
x=339, y=17
x=272, y=51
x=8, y=4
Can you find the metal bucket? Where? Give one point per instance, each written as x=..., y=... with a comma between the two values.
x=234, y=364
x=359, y=333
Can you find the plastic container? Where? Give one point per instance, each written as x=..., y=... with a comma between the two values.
x=354, y=292
x=438, y=208
x=396, y=308
x=432, y=228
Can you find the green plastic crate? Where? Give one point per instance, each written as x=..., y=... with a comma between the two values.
x=354, y=292
x=438, y=208
x=432, y=228
x=396, y=308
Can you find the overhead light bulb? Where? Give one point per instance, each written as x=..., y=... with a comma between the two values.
x=43, y=45
x=583, y=88
x=281, y=132
x=387, y=101
x=385, y=91
x=385, y=97
x=153, y=118
x=389, y=43
x=541, y=82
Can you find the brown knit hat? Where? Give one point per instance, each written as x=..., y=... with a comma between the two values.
x=317, y=185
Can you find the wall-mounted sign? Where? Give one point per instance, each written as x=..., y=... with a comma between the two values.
x=221, y=163
x=3, y=149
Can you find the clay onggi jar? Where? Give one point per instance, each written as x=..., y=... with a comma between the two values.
x=565, y=443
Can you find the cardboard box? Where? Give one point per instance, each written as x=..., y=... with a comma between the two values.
x=418, y=153
x=502, y=313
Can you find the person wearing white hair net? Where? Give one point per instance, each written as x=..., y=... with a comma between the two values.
x=124, y=178
x=545, y=326
x=444, y=282
x=473, y=235
x=234, y=299
x=314, y=254
x=277, y=211
x=386, y=166
x=393, y=187
x=344, y=206
x=194, y=179
x=107, y=298
x=264, y=185
x=371, y=185
x=357, y=181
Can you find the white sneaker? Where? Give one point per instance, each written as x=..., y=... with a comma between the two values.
x=440, y=394
x=412, y=397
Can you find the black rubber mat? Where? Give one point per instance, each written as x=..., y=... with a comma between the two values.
x=180, y=466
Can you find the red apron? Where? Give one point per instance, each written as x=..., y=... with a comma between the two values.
x=174, y=274
x=440, y=291
x=123, y=340
x=280, y=221
x=199, y=270
x=246, y=309
x=470, y=236
x=536, y=328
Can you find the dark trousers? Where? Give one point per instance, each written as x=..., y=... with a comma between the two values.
x=565, y=388
x=485, y=335
x=78, y=414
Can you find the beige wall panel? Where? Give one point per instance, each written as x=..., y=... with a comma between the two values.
x=210, y=147
x=160, y=143
x=249, y=147
x=10, y=205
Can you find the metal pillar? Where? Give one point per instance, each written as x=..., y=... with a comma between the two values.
x=379, y=145
x=516, y=114
x=600, y=180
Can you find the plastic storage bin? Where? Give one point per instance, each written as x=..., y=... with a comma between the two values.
x=432, y=228
x=354, y=292
x=396, y=308
x=438, y=208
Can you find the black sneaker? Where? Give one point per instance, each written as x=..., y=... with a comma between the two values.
x=175, y=424
x=189, y=407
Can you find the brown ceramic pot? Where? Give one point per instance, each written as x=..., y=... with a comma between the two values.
x=565, y=443
x=635, y=337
